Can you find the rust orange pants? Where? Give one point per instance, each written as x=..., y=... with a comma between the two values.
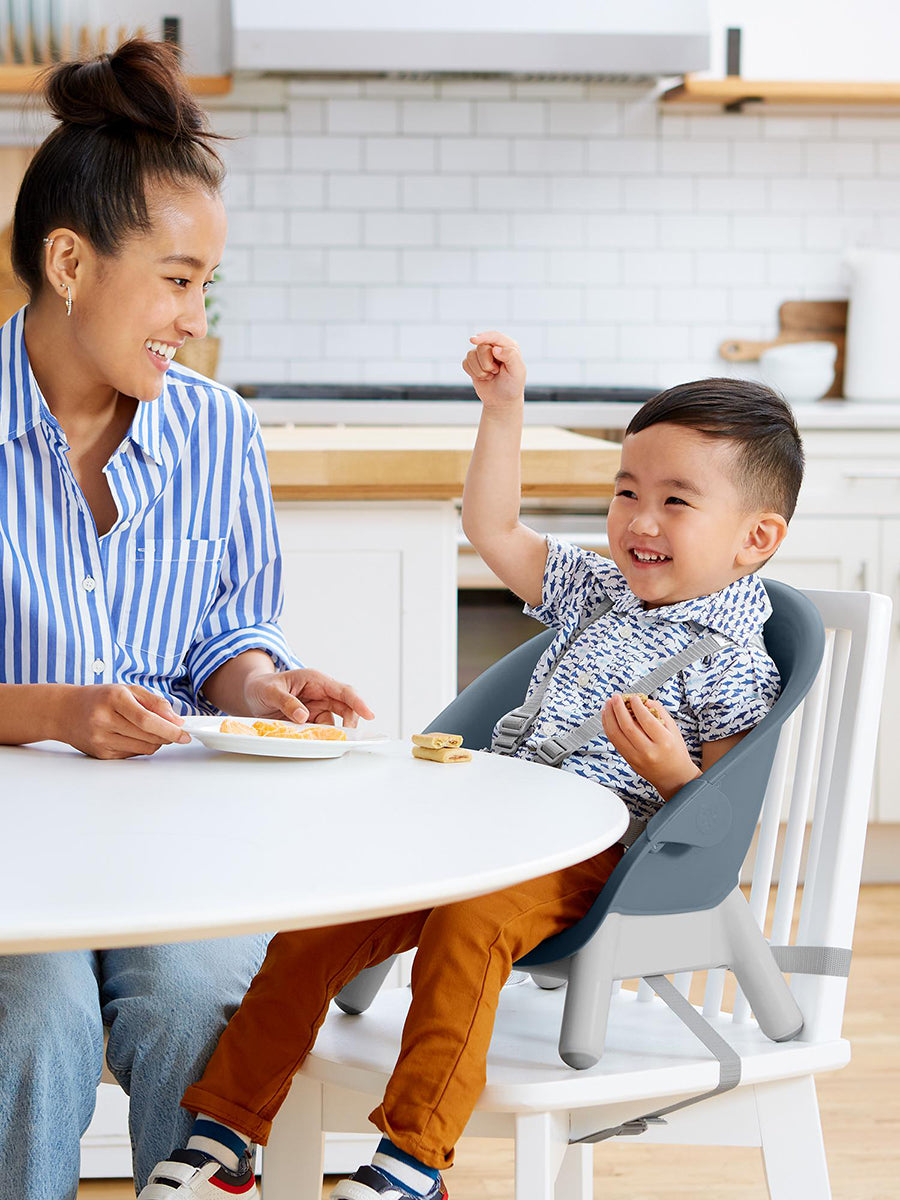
x=465, y=954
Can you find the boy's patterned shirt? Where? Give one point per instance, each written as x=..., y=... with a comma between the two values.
x=715, y=697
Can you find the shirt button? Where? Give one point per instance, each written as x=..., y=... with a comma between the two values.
x=88, y=584
x=98, y=665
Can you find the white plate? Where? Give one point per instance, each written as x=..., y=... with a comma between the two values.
x=206, y=730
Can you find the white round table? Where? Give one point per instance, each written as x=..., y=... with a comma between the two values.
x=193, y=843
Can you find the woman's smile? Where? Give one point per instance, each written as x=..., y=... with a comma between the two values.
x=161, y=353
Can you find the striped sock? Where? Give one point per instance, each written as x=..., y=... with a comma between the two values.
x=225, y=1144
x=403, y=1169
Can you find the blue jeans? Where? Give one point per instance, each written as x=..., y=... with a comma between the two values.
x=164, y=1007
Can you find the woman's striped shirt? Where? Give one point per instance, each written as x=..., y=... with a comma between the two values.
x=188, y=576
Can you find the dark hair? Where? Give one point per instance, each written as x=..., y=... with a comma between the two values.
x=126, y=119
x=768, y=451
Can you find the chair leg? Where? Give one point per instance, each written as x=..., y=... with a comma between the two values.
x=791, y=1134
x=763, y=984
x=542, y=1140
x=586, y=1009
x=549, y=983
x=293, y=1160
x=356, y=996
x=575, y=1180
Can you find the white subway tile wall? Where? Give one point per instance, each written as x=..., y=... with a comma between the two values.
x=375, y=224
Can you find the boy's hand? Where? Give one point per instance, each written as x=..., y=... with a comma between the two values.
x=496, y=369
x=652, y=745
x=304, y=695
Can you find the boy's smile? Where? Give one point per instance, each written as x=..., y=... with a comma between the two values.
x=679, y=525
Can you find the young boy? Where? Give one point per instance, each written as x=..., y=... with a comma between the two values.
x=708, y=482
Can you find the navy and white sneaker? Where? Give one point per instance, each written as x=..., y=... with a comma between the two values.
x=368, y=1183
x=194, y=1175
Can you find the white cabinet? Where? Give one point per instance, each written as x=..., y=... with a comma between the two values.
x=370, y=598
x=846, y=536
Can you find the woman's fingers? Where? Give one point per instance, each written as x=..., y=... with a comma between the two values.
x=143, y=713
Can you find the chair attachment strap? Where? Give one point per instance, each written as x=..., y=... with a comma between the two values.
x=798, y=960
x=729, y=1064
x=813, y=960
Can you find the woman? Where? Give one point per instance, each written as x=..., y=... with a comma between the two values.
x=139, y=574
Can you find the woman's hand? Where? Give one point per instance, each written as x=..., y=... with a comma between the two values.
x=303, y=695
x=116, y=720
x=496, y=369
x=650, y=742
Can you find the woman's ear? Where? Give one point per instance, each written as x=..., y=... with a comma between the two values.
x=763, y=538
x=62, y=254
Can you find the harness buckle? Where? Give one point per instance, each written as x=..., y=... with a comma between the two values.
x=511, y=729
x=551, y=752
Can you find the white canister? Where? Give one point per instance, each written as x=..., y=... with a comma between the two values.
x=871, y=369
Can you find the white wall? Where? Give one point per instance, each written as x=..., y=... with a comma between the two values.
x=374, y=225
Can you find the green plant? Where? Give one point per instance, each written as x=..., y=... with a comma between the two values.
x=212, y=304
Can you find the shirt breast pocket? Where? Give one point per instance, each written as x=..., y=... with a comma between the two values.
x=169, y=585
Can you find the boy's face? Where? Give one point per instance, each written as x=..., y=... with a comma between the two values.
x=678, y=525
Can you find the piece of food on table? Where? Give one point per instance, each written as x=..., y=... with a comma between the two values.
x=442, y=754
x=231, y=725
x=437, y=741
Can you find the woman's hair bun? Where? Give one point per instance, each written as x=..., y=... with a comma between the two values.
x=139, y=86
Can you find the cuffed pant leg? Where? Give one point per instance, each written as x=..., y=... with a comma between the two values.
x=250, y=1073
x=165, y=1007
x=52, y=1054
x=465, y=955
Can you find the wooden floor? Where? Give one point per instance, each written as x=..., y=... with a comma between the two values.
x=860, y=1109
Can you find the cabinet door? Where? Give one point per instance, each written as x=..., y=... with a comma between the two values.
x=888, y=744
x=838, y=553
x=370, y=598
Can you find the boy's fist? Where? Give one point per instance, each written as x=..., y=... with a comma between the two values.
x=496, y=368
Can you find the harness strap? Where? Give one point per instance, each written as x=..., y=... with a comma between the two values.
x=799, y=960
x=515, y=726
x=555, y=750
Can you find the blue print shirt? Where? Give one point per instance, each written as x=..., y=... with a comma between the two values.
x=188, y=576
x=716, y=697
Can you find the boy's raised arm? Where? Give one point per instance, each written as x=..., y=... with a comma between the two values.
x=490, y=513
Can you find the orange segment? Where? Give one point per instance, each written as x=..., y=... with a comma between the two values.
x=324, y=733
x=277, y=729
x=230, y=725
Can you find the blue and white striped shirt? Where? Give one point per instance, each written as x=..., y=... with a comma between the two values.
x=188, y=576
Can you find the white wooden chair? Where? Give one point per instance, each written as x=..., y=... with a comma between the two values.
x=819, y=787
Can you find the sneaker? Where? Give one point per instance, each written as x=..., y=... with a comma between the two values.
x=368, y=1183
x=193, y=1175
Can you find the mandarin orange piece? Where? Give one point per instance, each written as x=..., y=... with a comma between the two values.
x=230, y=725
x=324, y=733
x=277, y=729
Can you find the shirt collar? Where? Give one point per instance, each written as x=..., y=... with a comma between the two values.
x=738, y=611
x=22, y=406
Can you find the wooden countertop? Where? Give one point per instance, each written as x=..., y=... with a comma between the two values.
x=311, y=462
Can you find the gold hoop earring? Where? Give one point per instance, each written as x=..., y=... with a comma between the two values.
x=68, y=301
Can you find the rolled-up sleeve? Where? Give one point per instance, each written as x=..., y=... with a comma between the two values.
x=244, y=613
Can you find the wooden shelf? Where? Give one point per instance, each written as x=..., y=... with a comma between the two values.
x=17, y=79
x=733, y=91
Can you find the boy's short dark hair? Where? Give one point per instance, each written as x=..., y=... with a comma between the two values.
x=768, y=449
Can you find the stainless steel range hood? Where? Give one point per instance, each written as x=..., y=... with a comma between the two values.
x=633, y=38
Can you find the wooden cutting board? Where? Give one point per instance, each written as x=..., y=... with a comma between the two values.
x=800, y=321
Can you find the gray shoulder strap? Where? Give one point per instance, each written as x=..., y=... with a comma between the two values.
x=514, y=727
x=555, y=750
